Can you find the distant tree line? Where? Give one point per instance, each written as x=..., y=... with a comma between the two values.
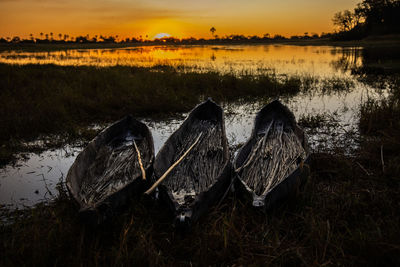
x=233, y=38
x=370, y=17
x=65, y=38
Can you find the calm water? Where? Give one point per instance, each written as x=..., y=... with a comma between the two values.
x=283, y=59
x=35, y=179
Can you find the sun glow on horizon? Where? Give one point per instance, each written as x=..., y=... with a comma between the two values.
x=180, y=19
x=161, y=35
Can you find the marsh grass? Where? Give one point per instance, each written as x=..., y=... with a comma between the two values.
x=380, y=116
x=41, y=100
x=345, y=214
x=318, y=121
x=16, y=149
x=342, y=216
x=380, y=125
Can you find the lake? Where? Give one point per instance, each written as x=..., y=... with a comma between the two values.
x=283, y=59
x=337, y=91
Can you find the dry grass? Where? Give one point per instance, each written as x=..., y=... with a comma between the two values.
x=341, y=217
x=38, y=100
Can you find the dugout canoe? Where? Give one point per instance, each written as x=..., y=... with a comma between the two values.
x=202, y=178
x=274, y=161
x=107, y=172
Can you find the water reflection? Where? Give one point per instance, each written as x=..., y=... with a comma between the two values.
x=310, y=60
x=34, y=180
x=29, y=182
x=340, y=79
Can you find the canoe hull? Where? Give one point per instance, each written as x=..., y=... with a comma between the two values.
x=186, y=214
x=115, y=202
x=291, y=183
x=289, y=187
x=185, y=217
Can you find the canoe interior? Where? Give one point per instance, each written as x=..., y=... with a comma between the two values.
x=274, y=151
x=203, y=165
x=110, y=162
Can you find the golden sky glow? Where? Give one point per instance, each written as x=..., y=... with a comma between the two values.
x=180, y=18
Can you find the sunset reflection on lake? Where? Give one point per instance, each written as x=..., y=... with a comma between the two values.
x=239, y=59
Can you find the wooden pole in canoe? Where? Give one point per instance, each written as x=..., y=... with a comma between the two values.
x=172, y=167
x=140, y=161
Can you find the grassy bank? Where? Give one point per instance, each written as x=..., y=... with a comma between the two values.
x=40, y=100
x=346, y=214
x=343, y=216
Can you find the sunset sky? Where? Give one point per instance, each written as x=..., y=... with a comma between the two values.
x=131, y=18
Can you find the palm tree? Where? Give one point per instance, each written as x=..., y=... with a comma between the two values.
x=213, y=30
x=41, y=35
x=59, y=36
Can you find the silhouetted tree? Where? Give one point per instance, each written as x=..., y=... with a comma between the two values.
x=381, y=15
x=16, y=39
x=81, y=39
x=358, y=14
x=344, y=20
x=254, y=38
x=369, y=17
x=279, y=37
x=213, y=30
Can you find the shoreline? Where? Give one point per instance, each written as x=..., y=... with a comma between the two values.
x=372, y=41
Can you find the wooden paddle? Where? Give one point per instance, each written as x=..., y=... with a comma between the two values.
x=172, y=167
